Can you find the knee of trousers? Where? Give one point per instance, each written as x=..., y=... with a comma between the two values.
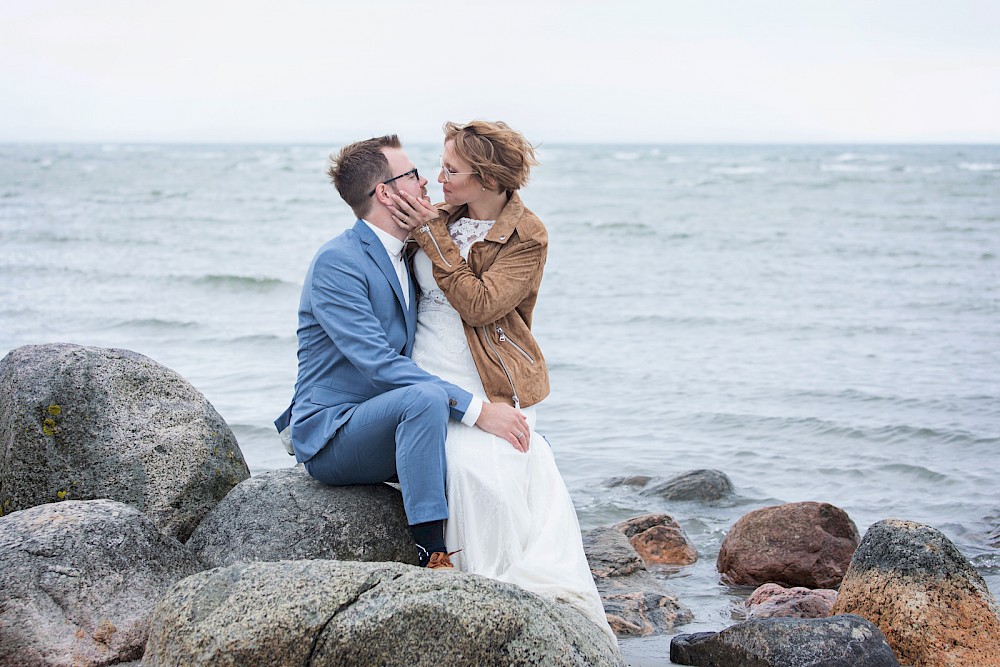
x=428, y=401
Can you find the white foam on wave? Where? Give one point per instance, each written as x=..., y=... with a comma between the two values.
x=738, y=171
x=979, y=166
x=626, y=155
x=855, y=168
x=862, y=157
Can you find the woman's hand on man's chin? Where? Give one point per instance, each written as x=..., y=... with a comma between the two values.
x=410, y=212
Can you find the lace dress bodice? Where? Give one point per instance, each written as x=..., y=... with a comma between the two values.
x=441, y=347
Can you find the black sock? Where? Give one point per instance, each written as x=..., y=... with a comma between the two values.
x=429, y=537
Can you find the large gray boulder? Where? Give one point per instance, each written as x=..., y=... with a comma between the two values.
x=84, y=422
x=926, y=597
x=839, y=641
x=288, y=515
x=79, y=580
x=322, y=612
x=635, y=601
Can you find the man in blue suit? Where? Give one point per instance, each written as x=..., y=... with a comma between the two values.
x=363, y=412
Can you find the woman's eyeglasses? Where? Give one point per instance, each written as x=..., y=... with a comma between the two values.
x=448, y=174
x=413, y=172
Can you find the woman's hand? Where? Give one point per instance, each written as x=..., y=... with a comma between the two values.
x=505, y=422
x=410, y=212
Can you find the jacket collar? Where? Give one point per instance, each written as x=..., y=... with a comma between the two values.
x=503, y=228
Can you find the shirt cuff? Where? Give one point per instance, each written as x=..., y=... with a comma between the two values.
x=473, y=411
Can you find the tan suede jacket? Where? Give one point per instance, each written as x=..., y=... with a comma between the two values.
x=495, y=293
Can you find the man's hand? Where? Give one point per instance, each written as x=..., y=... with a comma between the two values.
x=411, y=213
x=505, y=422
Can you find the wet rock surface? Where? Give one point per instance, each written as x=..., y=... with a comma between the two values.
x=658, y=539
x=774, y=601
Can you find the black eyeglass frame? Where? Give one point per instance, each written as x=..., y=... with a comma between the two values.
x=413, y=172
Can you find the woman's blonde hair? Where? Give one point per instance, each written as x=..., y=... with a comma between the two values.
x=495, y=151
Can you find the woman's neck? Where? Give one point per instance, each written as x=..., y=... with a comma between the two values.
x=488, y=206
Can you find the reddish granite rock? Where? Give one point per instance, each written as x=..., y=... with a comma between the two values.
x=658, y=539
x=797, y=544
x=931, y=604
x=774, y=601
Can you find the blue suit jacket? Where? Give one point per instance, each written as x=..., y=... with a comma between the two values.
x=355, y=337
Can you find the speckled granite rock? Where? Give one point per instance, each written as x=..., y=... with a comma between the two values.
x=797, y=544
x=636, y=602
x=839, y=641
x=79, y=580
x=83, y=423
x=931, y=604
x=336, y=613
x=288, y=515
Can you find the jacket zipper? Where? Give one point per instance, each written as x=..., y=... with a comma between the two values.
x=517, y=402
x=505, y=338
x=426, y=229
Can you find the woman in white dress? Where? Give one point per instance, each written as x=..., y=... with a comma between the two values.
x=478, y=269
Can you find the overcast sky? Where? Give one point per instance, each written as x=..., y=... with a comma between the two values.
x=562, y=70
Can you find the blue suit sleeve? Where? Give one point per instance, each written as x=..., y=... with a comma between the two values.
x=342, y=306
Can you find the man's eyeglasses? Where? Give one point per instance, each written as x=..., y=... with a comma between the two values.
x=448, y=174
x=413, y=172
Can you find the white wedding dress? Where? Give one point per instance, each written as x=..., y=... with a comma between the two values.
x=509, y=512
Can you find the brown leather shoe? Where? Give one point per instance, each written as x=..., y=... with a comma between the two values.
x=440, y=561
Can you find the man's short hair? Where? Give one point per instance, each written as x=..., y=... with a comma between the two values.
x=358, y=168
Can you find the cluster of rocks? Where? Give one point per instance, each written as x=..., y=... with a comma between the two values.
x=906, y=594
x=130, y=529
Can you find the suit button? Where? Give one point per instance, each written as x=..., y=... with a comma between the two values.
x=452, y=402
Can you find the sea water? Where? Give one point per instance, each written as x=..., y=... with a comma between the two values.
x=818, y=322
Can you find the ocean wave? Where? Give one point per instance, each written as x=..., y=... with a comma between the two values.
x=155, y=323
x=738, y=171
x=979, y=166
x=862, y=157
x=913, y=472
x=853, y=168
x=240, y=282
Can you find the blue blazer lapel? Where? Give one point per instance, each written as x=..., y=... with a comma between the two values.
x=377, y=252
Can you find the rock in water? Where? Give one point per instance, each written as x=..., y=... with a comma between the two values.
x=774, y=601
x=79, y=580
x=658, y=539
x=931, y=604
x=335, y=613
x=796, y=544
x=635, y=602
x=85, y=422
x=288, y=515
x=839, y=641
x=700, y=485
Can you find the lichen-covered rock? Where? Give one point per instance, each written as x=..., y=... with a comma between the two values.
x=797, y=544
x=839, y=641
x=931, y=604
x=774, y=601
x=658, y=539
x=705, y=486
x=345, y=614
x=79, y=580
x=288, y=515
x=83, y=423
x=636, y=603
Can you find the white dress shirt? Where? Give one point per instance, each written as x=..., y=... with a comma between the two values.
x=394, y=248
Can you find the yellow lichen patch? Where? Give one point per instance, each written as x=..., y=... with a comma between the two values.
x=54, y=410
x=61, y=494
x=49, y=426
